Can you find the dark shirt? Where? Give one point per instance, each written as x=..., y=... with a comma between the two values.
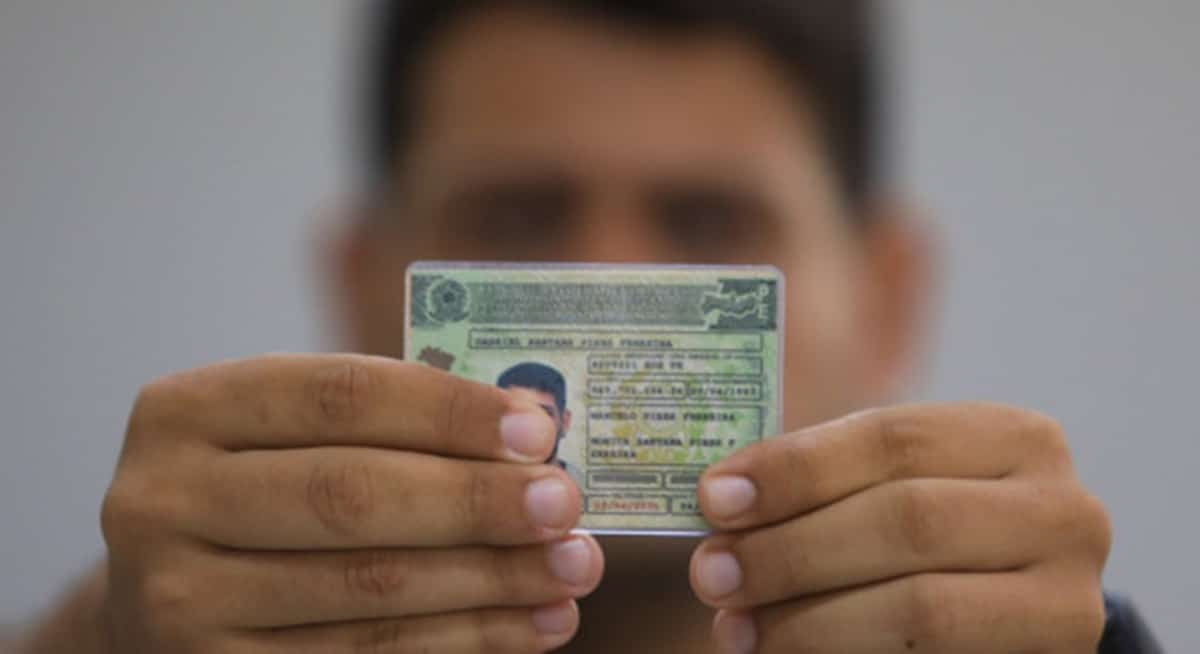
x=1125, y=632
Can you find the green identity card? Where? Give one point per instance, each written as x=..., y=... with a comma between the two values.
x=651, y=372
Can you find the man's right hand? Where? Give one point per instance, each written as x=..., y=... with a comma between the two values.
x=328, y=504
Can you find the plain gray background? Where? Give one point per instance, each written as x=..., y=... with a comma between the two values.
x=161, y=161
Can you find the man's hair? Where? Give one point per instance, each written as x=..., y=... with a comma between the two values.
x=537, y=377
x=827, y=48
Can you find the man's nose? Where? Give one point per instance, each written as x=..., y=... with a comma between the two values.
x=617, y=237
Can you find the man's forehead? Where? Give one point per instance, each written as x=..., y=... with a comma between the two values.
x=523, y=85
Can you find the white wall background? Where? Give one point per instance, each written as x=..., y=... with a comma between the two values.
x=1058, y=142
x=160, y=160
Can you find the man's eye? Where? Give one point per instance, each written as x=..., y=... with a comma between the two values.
x=516, y=221
x=705, y=225
x=511, y=227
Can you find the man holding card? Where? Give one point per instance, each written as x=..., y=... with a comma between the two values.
x=353, y=503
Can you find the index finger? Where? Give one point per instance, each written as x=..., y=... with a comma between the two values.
x=297, y=401
x=797, y=473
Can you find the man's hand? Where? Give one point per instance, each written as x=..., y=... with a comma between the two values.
x=328, y=504
x=956, y=528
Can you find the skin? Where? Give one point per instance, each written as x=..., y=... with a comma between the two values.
x=343, y=503
x=562, y=421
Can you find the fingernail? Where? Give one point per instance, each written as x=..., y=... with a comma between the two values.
x=735, y=633
x=571, y=561
x=555, y=620
x=548, y=503
x=527, y=435
x=729, y=497
x=718, y=574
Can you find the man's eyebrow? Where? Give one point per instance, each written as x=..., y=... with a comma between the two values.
x=486, y=186
x=726, y=188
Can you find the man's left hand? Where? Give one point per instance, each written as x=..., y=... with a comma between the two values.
x=927, y=528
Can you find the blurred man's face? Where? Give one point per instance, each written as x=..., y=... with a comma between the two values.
x=550, y=138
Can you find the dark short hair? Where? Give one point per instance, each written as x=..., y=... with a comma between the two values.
x=826, y=46
x=538, y=377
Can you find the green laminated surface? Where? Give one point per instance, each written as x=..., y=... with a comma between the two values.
x=665, y=369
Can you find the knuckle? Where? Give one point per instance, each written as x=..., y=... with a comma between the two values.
x=798, y=564
x=474, y=501
x=929, y=616
x=504, y=631
x=1035, y=429
x=136, y=507
x=342, y=496
x=167, y=596
x=1090, y=519
x=375, y=574
x=900, y=441
x=505, y=579
x=1091, y=621
x=1080, y=615
x=489, y=635
x=1051, y=510
x=456, y=406
x=1046, y=432
x=340, y=394
x=919, y=518
x=381, y=637
x=784, y=629
x=799, y=464
x=118, y=511
x=153, y=406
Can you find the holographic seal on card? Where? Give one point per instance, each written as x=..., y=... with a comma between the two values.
x=650, y=372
